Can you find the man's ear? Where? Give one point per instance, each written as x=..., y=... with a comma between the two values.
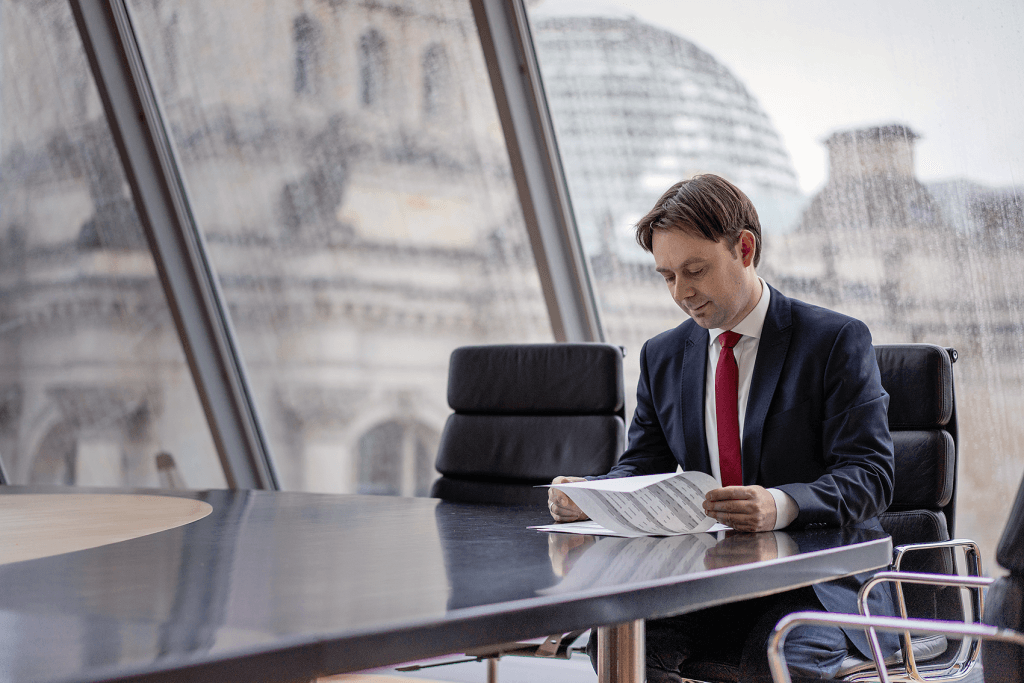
x=748, y=246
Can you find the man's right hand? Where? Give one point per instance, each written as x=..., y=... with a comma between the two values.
x=562, y=509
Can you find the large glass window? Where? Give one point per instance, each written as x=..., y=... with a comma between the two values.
x=93, y=382
x=879, y=141
x=361, y=227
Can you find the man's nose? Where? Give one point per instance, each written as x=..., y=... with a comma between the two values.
x=683, y=291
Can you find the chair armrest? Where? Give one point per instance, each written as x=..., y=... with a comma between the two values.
x=947, y=580
x=972, y=562
x=899, y=578
x=777, y=659
x=972, y=553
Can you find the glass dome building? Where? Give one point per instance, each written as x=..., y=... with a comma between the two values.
x=637, y=108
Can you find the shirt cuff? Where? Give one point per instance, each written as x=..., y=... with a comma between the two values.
x=786, y=509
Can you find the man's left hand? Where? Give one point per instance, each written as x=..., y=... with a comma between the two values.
x=744, y=508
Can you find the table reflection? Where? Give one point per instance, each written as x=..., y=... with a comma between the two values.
x=587, y=562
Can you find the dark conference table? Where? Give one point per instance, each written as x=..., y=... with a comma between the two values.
x=291, y=586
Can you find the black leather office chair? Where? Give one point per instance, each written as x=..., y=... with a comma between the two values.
x=526, y=413
x=923, y=423
x=921, y=518
x=1002, y=627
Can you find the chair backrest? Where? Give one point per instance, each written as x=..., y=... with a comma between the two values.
x=923, y=424
x=526, y=413
x=1004, y=601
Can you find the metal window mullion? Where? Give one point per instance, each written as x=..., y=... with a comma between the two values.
x=537, y=167
x=161, y=200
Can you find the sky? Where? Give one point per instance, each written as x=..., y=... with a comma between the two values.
x=952, y=71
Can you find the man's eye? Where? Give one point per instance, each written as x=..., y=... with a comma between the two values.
x=696, y=273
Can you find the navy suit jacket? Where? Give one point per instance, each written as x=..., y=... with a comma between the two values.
x=815, y=425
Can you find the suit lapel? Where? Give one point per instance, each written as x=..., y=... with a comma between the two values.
x=695, y=360
x=771, y=356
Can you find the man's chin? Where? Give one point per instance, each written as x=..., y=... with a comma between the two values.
x=701, y=318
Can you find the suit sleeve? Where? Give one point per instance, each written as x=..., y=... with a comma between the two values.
x=648, y=451
x=857, y=448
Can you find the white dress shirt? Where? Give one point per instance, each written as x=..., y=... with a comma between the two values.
x=745, y=352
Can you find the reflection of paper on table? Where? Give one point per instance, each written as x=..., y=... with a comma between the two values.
x=649, y=505
x=592, y=528
x=612, y=562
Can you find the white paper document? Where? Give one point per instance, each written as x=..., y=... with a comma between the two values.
x=650, y=505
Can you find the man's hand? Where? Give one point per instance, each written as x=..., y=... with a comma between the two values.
x=562, y=509
x=744, y=508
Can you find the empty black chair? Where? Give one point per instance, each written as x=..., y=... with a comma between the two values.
x=526, y=413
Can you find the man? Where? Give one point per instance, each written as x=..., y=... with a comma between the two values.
x=779, y=400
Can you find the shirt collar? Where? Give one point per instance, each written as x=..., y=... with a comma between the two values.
x=752, y=324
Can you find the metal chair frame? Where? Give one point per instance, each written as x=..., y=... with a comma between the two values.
x=972, y=580
x=777, y=659
x=909, y=670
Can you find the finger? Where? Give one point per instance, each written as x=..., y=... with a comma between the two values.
x=732, y=506
x=563, y=510
x=567, y=506
x=729, y=493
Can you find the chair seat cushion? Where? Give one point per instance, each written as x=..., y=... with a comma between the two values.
x=918, y=526
x=489, y=492
x=529, y=448
x=926, y=648
x=538, y=379
x=919, y=380
x=925, y=467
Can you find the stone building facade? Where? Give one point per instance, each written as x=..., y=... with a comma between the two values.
x=349, y=174
x=348, y=171
x=937, y=264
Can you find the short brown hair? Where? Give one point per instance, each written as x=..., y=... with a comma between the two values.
x=707, y=205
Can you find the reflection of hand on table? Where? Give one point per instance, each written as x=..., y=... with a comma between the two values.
x=565, y=549
x=742, y=548
x=560, y=506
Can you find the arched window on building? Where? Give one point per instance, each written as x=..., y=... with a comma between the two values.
x=54, y=462
x=373, y=62
x=396, y=458
x=437, y=81
x=307, y=36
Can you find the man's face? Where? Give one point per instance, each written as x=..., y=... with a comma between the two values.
x=711, y=283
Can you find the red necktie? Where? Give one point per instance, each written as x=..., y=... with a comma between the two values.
x=726, y=388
